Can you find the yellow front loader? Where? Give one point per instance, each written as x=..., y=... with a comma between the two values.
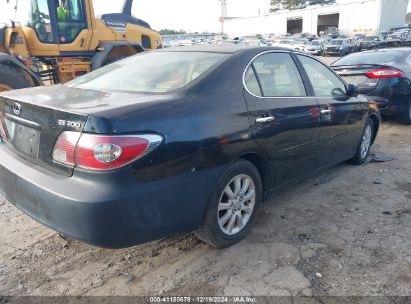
x=54, y=41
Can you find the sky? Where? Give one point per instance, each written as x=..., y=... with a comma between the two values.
x=190, y=15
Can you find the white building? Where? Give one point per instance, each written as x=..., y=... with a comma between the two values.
x=358, y=16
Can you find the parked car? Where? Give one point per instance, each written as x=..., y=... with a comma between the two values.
x=407, y=41
x=253, y=41
x=395, y=40
x=332, y=32
x=339, y=47
x=316, y=47
x=301, y=44
x=384, y=35
x=291, y=44
x=370, y=42
x=353, y=43
x=384, y=76
x=359, y=36
x=177, y=140
x=310, y=37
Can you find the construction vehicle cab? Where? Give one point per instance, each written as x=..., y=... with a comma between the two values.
x=57, y=40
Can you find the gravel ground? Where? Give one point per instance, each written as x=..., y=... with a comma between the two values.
x=345, y=232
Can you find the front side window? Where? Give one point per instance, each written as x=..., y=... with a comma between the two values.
x=278, y=76
x=70, y=19
x=325, y=83
x=36, y=14
x=155, y=72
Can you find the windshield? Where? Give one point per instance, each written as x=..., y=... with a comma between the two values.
x=316, y=42
x=36, y=14
x=155, y=72
x=370, y=38
x=381, y=57
x=335, y=42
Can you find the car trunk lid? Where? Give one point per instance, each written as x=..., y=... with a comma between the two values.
x=358, y=75
x=46, y=112
x=32, y=129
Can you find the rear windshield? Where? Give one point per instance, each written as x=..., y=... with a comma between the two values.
x=380, y=57
x=155, y=72
x=335, y=42
x=370, y=38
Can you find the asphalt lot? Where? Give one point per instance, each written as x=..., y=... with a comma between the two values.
x=345, y=232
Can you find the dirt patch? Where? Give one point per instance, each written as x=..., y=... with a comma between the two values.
x=339, y=233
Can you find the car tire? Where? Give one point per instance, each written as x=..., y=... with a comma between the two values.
x=365, y=143
x=406, y=118
x=11, y=79
x=221, y=226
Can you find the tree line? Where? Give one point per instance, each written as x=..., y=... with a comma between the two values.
x=296, y=4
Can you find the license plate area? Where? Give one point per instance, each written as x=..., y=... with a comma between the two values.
x=23, y=138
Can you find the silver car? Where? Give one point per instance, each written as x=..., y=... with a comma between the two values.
x=316, y=47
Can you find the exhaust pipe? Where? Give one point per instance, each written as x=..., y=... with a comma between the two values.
x=128, y=4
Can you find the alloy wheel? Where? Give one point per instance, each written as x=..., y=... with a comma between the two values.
x=366, y=141
x=236, y=204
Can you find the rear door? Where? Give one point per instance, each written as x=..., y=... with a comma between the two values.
x=284, y=118
x=341, y=116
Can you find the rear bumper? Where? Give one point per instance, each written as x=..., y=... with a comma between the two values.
x=393, y=110
x=332, y=52
x=112, y=210
x=314, y=52
x=392, y=107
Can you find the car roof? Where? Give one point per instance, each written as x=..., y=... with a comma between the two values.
x=227, y=48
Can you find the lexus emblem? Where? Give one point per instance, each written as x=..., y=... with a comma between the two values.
x=17, y=108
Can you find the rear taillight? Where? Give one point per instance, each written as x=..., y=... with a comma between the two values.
x=384, y=73
x=102, y=152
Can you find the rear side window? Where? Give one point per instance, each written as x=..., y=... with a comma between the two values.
x=278, y=76
x=409, y=59
x=325, y=83
x=379, y=57
x=145, y=42
x=251, y=82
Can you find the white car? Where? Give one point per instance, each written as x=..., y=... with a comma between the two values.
x=291, y=44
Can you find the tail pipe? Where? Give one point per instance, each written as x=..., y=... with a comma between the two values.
x=127, y=6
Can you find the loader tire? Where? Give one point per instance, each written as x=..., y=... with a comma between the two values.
x=11, y=79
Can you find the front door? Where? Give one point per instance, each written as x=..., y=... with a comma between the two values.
x=341, y=116
x=284, y=118
x=73, y=32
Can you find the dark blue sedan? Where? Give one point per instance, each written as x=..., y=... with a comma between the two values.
x=382, y=75
x=177, y=140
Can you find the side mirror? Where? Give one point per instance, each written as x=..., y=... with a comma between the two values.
x=352, y=90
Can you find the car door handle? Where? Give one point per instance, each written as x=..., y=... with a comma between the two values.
x=326, y=112
x=265, y=119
